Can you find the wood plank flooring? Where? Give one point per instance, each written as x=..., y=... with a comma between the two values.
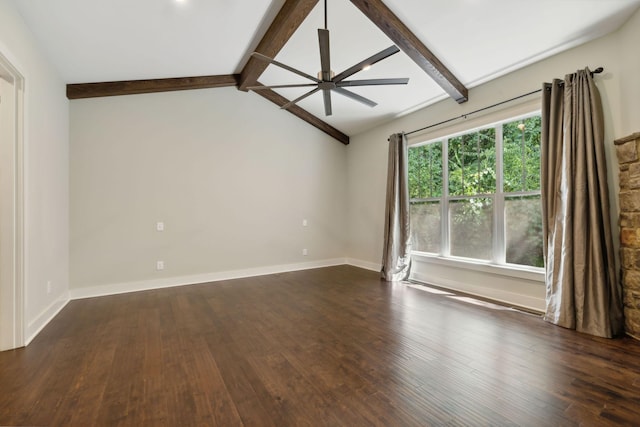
x=325, y=347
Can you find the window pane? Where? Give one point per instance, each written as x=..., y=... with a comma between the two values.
x=435, y=166
x=416, y=173
x=487, y=161
x=472, y=163
x=425, y=171
x=456, y=166
x=521, y=141
x=523, y=230
x=426, y=226
x=471, y=228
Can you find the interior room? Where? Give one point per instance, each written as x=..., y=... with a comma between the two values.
x=195, y=218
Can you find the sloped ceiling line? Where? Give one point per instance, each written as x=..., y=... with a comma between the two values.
x=399, y=33
x=303, y=114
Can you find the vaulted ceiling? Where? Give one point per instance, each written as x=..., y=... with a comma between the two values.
x=155, y=45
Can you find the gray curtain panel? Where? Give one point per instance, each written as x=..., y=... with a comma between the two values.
x=396, y=256
x=582, y=290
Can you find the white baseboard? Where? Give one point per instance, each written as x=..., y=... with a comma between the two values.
x=364, y=264
x=36, y=325
x=500, y=295
x=145, y=285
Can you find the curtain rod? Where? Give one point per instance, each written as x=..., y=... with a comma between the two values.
x=464, y=116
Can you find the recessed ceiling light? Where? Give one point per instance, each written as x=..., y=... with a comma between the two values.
x=366, y=68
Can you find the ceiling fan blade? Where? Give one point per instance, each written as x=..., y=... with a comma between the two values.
x=286, y=67
x=300, y=98
x=373, y=82
x=325, y=57
x=281, y=86
x=355, y=97
x=391, y=50
x=326, y=93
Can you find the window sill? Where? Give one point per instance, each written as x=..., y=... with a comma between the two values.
x=528, y=273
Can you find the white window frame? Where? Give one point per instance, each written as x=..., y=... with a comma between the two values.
x=498, y=262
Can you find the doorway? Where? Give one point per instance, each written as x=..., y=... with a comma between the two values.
x=11, y=207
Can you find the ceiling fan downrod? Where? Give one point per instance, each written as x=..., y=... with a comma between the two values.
x=325, y=15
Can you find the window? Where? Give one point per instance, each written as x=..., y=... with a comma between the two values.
x=477, y=195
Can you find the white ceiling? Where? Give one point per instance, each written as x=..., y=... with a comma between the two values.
x=478, y=40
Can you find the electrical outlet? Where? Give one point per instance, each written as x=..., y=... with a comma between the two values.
x=305, y=252
x=48, y=286
x=159, y=226
x=304, y=223
x=159, y=265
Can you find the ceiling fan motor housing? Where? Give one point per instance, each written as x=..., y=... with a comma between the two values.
x=333, y=74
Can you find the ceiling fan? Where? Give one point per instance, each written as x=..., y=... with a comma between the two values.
x=327, y=81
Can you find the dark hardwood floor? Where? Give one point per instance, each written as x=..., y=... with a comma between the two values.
x=333, y=346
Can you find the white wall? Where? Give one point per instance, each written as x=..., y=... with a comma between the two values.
x=46, y=198
x=367, y=153
x=629, y=81
x=231, y=176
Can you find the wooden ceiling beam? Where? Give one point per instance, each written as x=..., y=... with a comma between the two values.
x=400, y=34
x=131, y=87
x=303, y=114
x=286, y=22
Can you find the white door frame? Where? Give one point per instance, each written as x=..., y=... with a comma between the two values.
x=12, y=295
